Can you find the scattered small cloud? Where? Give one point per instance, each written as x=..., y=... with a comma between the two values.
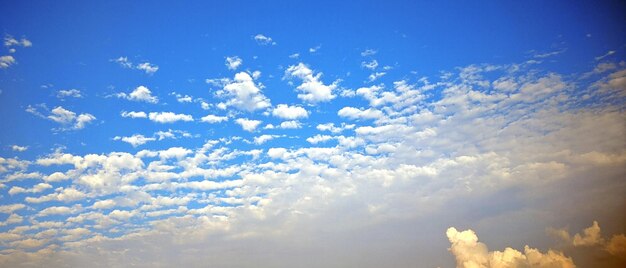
x=65, y=93
x=233, y=62
x=18, y=148
x=141, y=93
x=264, y=40
x=248, y=124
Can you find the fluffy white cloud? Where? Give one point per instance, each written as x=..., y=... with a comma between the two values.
x=319, y=138
x=233, y=62
x=141, y=93
x=66, y=118
x=285, y=111
x=18, y=148
x=212, y=119
x=354, y=113
x=291, y=124
x=263, y=138
x=248, y=124
x=147, y=67
x=133, y=114
x=10, y=41
x=264, y=40
x=168, y=117
x=6, y=61
x=8, y=209
x=312, y=89
x=244, y=94
x=64, y=93
x=135, y=140
x=470, y=253
x=370, y=65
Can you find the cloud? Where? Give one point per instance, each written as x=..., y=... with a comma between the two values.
x=64, y=93
x=168, y=117
x=264, y=40
x=146, y=67
x=592, y=237
x=368, y=52
x=9, y=41
x=374, y=76
x=8, y=209
x=291, y=124
x=608, y=53
x=244, y=94
x=319, y=138
x=212, y=119
x=6, y=61
x=470, y=253
x=312, y=89
x=68, y=119
x=247, y=124
x=135, y=140
x=285, y=111
x=133, y=114
x=17, y=148
x=354, y=113
x=370, y=65
x=141, y=93
x=315, y=49
x=233, y=62
x=264, y=138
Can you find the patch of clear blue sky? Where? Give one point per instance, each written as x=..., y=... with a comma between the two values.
x=74, y=42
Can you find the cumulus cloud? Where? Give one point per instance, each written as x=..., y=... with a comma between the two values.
x=264, y=40
x=133, y=114
x=141, y=93
x=312, y=89
x=6, y=61
x=285, y=111
x=168, y=117
x=64, y=93
x=354, y=113
x=18, y=148
x=248, y=124
x=212, y=119
x=135, y=140
x=67, y=119
x=592, y=237
x=470, y=253
x=233, y=62
x=244, y=94
x=146, y=67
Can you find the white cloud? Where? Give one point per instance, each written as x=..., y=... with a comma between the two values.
x=294, y=56
x=285, y=111
x=374, y=76
x=9, y=41
x=312, y=89
x=354, y=113
x=147, y=67
x=133, y=114
x=470, y=253
x=370, y=65
x=243, y=94
x=168, y=117
x=264, y=40
x=319, y=138
x=368, y=52
x=233, y=62
x=608, y=53
x=124, y=62
x=315, y=49
x=247, y=124
x=291, y=124
x=141, y=93
x=212, y=119
x=135, y=140
x=64, y=93
x=6, y=61
x=334, y=129
x=18, y=148
x=263, y=138
x=8, y=209
x=65, y=117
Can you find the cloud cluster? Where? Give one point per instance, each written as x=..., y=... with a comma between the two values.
x=312, y=89
x=470, y=253
x=146, y=67
x=242, y=93
x=140, y=93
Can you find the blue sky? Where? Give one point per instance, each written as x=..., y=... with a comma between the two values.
x=275, y=134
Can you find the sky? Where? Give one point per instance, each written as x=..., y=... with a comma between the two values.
x=313, y=134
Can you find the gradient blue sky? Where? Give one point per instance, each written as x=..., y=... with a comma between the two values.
x=502, y=117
